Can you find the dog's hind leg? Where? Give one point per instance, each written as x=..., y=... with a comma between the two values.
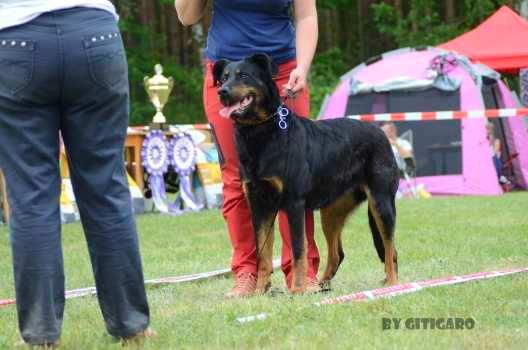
x=382, y=209
x=376, y=236
x=333, y=219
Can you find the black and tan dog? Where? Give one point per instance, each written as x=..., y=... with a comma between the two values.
x=293, y=164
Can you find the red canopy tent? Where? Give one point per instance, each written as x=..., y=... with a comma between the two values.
x=499, y=42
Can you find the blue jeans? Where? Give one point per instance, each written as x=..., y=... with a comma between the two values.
x=66, y=72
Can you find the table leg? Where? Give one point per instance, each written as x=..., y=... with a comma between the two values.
x=3, y=193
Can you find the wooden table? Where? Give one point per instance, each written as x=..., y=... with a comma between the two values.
x=3, y=196
x=133, y=144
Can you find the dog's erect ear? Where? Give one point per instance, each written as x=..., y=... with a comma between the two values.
x=218, y=69
x=265, y=62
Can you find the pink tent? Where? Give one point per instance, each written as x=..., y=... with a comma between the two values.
x=452, y=157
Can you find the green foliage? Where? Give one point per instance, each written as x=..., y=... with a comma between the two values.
x=324, y=75
x=421, y=26
x=144, y=47
x=336, y=3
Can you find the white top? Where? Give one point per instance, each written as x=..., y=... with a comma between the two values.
x=404, y=145
x=16, y=12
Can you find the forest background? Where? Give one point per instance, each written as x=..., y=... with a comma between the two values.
x=350, y=31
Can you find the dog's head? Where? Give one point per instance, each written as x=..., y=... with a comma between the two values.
x=246, y=89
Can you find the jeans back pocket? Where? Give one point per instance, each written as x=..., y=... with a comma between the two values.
x=16, y=64
x=106, y=58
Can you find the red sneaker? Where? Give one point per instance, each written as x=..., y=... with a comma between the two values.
x=245, y=286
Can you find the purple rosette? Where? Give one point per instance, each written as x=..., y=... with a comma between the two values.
x=182, y=155
x=155, y=153
x=155, y=158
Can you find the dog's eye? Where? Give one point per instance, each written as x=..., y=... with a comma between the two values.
x=243, y=75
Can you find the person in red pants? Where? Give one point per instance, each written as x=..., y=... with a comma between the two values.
x=238, y=31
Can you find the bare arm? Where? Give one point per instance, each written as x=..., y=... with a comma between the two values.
x=306, y=35
x=497, y=147
x=190, y=11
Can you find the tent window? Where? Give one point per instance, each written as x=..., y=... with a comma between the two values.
x=437, y=144
x=367, y=103
x=424, y=101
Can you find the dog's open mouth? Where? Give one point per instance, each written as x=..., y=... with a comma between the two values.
x=238, y=107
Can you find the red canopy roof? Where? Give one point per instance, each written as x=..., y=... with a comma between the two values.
x=499, y=42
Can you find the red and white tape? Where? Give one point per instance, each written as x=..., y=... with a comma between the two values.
x=77, y=293
x=442, y=115
x=399, y=289
x=413, y=287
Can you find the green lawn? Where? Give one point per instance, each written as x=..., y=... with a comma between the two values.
x=436, y=237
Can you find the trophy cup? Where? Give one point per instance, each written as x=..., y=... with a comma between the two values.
x=158, y=88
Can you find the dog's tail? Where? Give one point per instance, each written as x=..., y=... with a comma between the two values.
x=376, y=237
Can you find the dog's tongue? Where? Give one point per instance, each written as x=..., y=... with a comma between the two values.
x=226, y=111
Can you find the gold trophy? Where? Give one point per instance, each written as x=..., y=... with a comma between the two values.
x=158, y=88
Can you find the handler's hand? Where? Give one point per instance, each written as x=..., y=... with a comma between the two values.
x=297, y=81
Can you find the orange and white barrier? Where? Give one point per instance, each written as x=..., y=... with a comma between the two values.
x=441, y=115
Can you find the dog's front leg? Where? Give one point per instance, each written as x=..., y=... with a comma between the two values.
x=296, y=217
x=263, y=215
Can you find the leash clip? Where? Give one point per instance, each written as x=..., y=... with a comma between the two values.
x=283, y=112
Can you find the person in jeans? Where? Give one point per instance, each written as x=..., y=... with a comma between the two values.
x=63, y=69
x=240, y=29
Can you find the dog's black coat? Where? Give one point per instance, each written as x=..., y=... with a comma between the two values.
x=332, y=165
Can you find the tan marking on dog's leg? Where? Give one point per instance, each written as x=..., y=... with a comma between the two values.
x=333, y=219
x=299, y=270
x=265, y=239
x=388, y=243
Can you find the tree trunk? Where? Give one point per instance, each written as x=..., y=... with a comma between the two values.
x=450, y=11
x=398, y=6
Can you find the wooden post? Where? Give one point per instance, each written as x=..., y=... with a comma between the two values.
x=3, y=195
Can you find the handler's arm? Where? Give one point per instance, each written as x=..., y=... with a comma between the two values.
x=190, y=11
x=306, y=35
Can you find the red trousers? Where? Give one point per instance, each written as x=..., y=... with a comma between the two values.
x=235, y=207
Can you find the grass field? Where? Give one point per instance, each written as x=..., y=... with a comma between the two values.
x=436, y=237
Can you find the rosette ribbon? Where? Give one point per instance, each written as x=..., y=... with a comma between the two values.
x=182, y=157
x=155, y=158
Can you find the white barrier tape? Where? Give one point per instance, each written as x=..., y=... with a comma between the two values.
x=77, y=293
x=442, y=115
x=406, y=288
